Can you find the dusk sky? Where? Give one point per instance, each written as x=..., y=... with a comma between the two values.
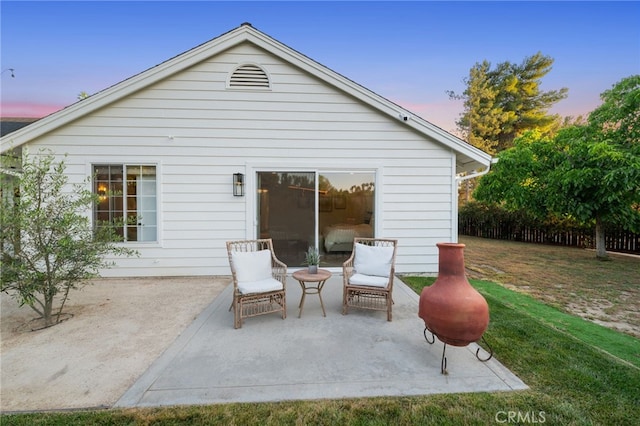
x=408, y=52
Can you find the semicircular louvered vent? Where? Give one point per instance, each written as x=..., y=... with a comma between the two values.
x=249, y=76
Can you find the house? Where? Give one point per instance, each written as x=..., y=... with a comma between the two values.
x=244, y=137
x=10, y=124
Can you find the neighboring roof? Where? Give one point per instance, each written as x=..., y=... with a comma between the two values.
x=10, y=124
x=469, y=157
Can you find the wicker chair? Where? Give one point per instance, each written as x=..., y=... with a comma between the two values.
x=259, y=279
x=368, y=275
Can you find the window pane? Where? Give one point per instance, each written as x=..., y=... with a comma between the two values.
x=148, y=170
x=286, y=213
x=346, y=211
x=116, y=173
x=141, y=191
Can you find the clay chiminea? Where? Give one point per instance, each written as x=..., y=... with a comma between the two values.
x=451, y=308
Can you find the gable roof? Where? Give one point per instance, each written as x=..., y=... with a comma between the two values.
x=468, y=157
x=10, y=124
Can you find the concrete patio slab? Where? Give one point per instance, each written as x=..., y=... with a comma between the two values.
x=312, y=357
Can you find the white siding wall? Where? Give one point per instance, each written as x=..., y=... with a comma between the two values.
x=199, y=133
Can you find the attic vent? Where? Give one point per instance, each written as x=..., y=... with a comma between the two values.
x=249, y=76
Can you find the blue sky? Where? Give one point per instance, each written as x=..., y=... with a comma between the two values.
x=408, y=52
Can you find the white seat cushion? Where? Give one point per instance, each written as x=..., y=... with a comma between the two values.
x=252, y=266
x=371, y=260
x=262, y=286
x=369, y=280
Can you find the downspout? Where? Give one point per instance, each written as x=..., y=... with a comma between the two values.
x=462, y=179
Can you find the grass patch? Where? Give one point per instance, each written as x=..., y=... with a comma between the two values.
x=619, y=345
x=572, y=382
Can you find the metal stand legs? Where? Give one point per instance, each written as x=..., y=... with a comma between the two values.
x=443, y=362
x=490, y=351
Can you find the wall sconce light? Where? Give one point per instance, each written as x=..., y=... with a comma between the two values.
x=238, y=184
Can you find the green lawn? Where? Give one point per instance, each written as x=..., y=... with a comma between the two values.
x=579, y=374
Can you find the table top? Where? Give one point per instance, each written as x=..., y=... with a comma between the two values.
x=304, y=275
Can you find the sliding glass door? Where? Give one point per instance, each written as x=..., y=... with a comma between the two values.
x=326, y=209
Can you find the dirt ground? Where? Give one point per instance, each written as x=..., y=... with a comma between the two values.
x=570, y=279
x=119, y=327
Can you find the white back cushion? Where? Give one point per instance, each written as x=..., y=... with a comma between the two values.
x=252, y=266
x=370, y=260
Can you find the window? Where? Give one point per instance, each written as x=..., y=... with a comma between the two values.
x=127, y=196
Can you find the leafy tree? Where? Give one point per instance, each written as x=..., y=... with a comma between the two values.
x=502, y=103
x=48, y=244
x=617, y=120
x=590, y=172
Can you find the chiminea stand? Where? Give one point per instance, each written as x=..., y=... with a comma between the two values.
x=443, y=362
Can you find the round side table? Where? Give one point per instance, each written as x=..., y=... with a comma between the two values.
x=307, y=280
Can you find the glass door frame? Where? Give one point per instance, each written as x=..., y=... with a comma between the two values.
x=251, y=187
